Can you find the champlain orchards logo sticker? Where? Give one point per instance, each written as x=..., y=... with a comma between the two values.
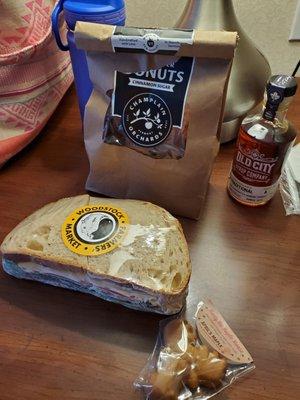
x=147, y=120
x=94, y=229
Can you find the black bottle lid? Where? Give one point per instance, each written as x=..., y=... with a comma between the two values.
x=284, y=83
x=278, y=88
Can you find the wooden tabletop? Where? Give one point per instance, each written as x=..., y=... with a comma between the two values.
x=62, y=345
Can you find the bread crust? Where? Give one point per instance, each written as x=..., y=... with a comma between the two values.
x=166, y=303
x=57, y=264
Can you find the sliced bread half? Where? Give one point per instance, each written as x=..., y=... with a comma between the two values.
x=141, y=261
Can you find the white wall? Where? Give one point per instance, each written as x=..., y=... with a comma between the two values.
x=267, y=22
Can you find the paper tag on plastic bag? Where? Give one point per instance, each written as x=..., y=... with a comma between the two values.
x=216, y=333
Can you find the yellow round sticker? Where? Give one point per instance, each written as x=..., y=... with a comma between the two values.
x=93, y=230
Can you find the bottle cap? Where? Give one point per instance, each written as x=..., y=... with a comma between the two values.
x=286, y=85
x=278, y=88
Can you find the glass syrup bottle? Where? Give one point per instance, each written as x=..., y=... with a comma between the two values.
x=263, y=145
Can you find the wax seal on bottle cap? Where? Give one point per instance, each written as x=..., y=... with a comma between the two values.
x=284, y=83
x=278, y=88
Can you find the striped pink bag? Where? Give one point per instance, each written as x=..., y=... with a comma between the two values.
x=34, y=73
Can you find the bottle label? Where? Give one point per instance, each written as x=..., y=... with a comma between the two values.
x=248, y=193
x=252, y=166
x=258, y=131
x=255, y=169
x=255, y=162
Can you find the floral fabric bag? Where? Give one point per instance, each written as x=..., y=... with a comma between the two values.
x=34, y=73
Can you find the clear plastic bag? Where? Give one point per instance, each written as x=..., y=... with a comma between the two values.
x=290, y=183
x=193, y=360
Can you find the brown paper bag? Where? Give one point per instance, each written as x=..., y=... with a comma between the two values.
x=152, y=121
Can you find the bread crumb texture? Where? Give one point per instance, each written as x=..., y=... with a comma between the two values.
x=153, y=254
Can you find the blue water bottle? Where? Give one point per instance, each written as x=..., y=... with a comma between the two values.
x=111, y=12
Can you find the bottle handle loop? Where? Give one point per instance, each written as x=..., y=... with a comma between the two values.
x=55, y=25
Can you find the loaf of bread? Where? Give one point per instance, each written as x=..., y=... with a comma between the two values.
x=145, y=266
